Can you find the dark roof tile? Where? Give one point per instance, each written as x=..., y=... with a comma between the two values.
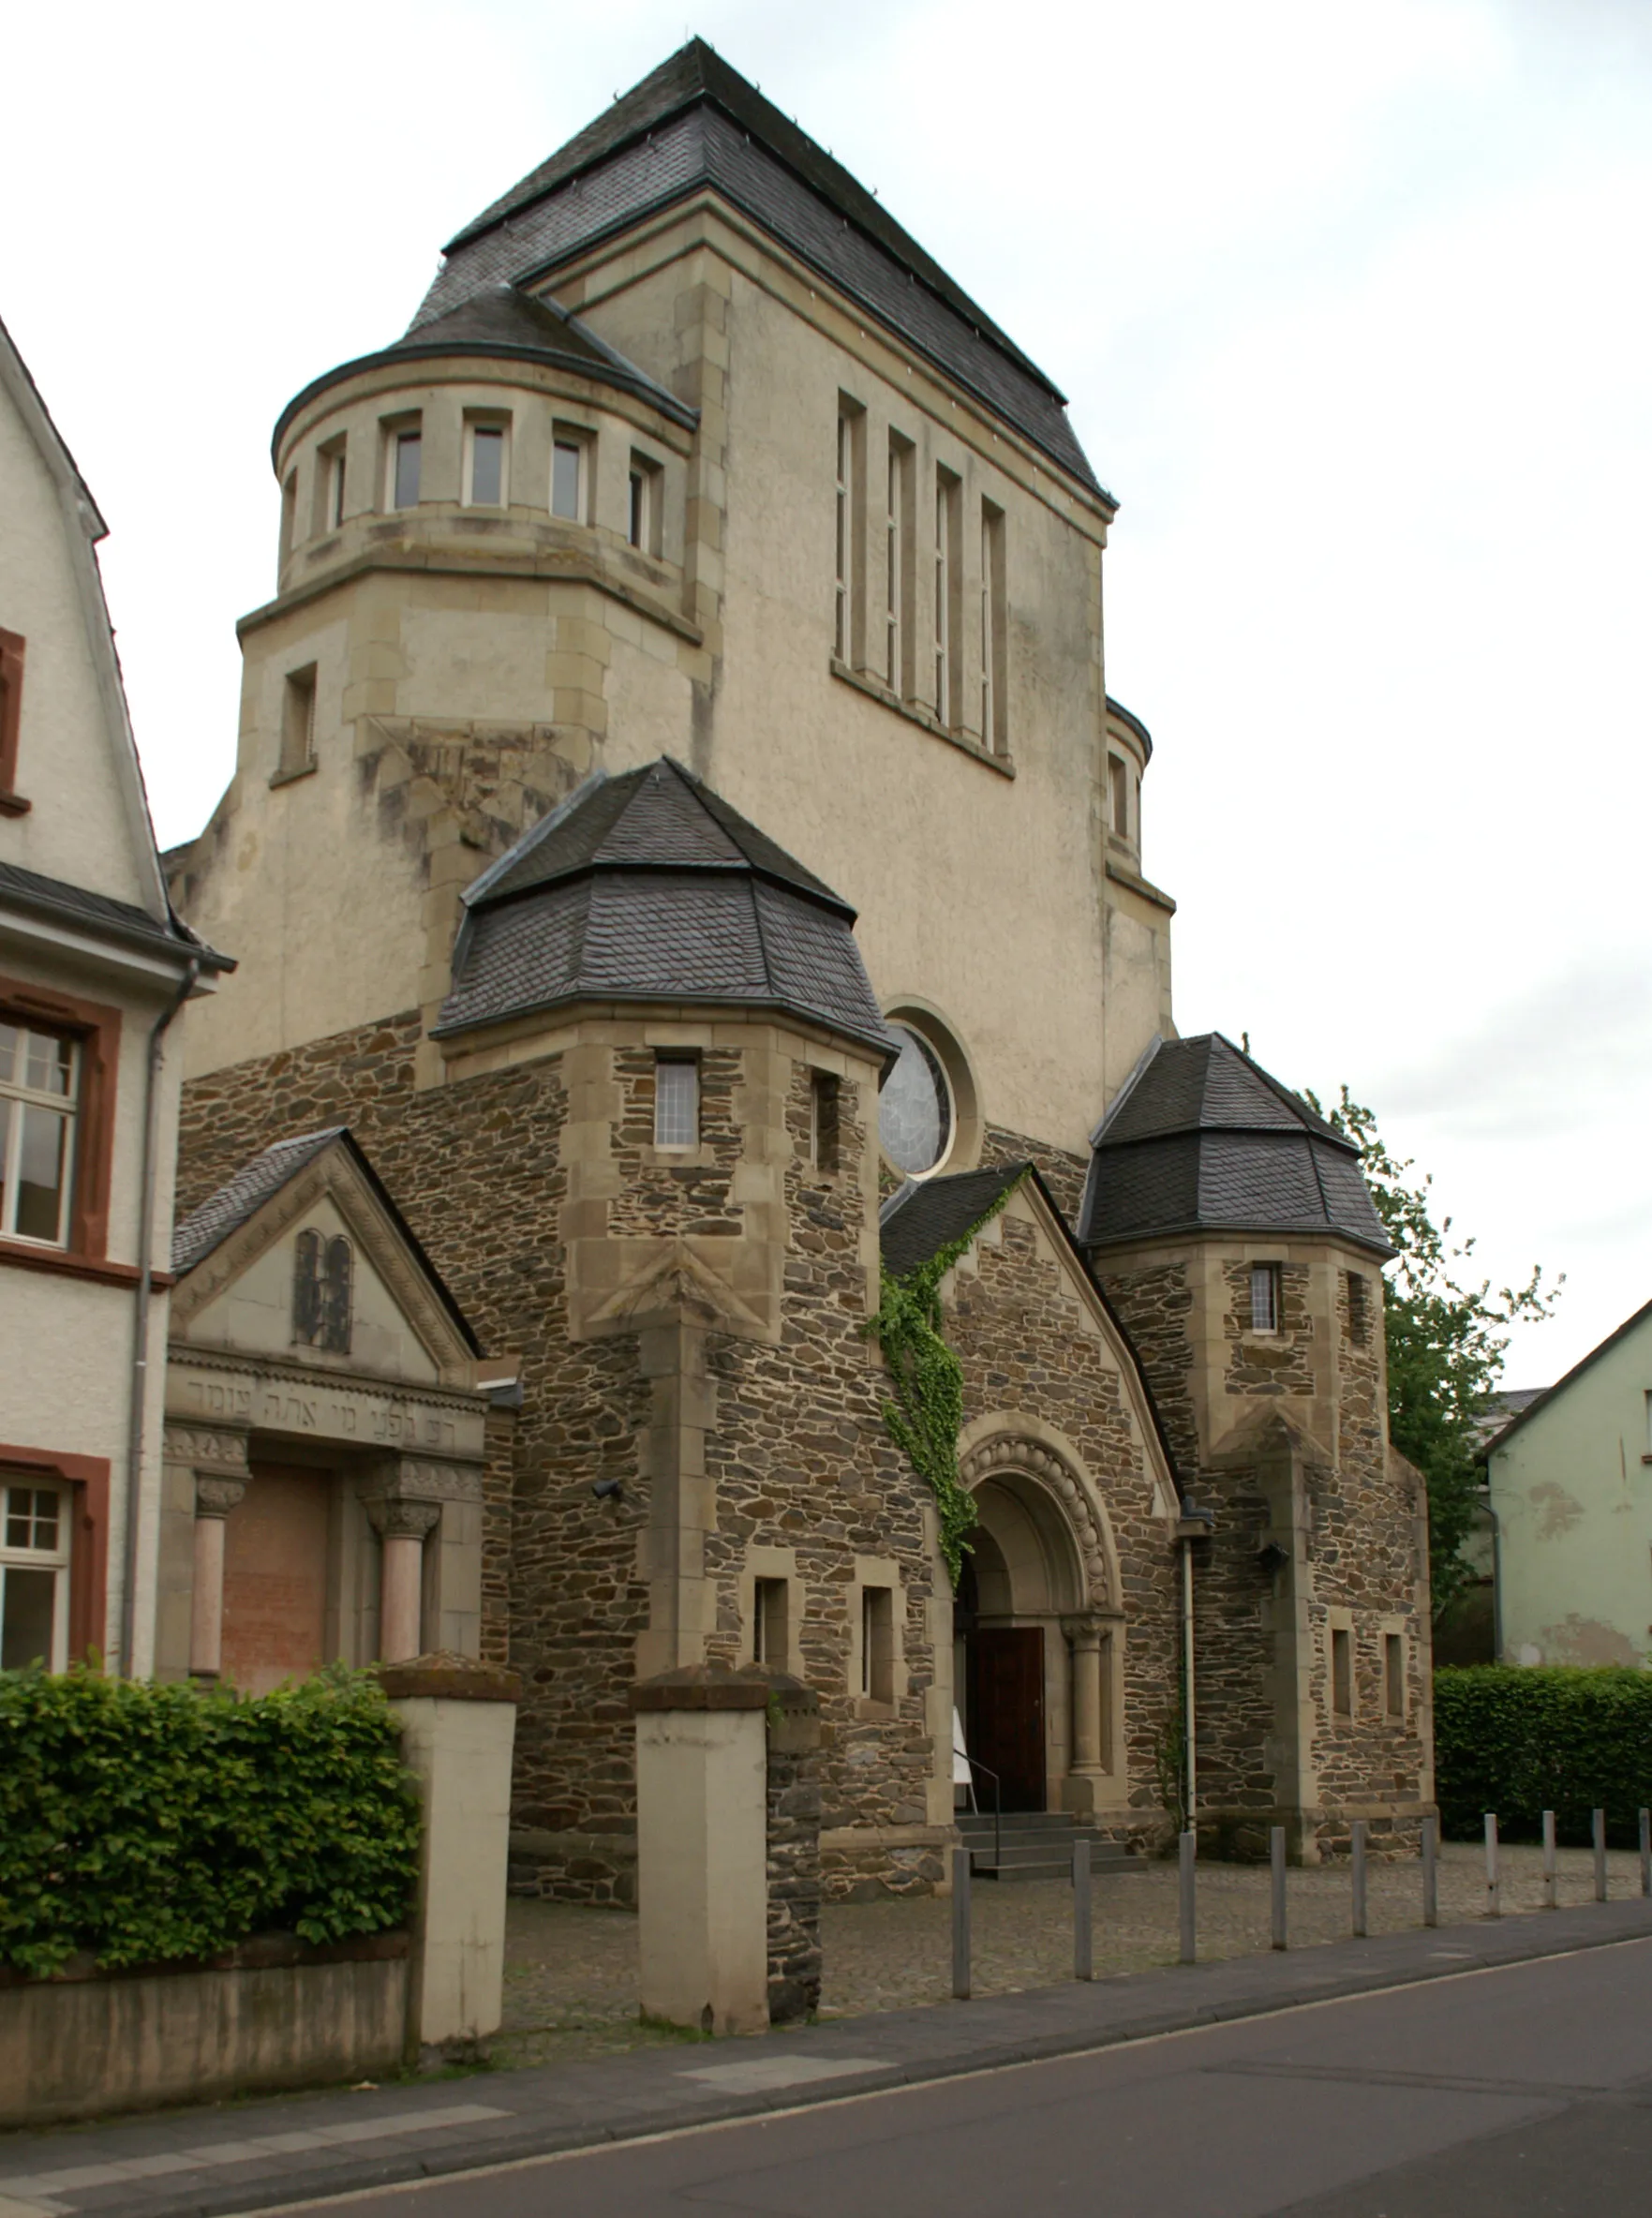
x=927, y=1214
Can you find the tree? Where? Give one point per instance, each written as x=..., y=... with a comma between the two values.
x=1446, y=1342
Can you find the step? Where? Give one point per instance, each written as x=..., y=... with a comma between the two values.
x=1107, y=1861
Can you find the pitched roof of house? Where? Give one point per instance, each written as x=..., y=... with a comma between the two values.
x=649, y=886
x=103, y=914
x=1541, y=1400
x=1202, y=1138
x=695, y=123
x=239, y=1200
x=502, y=322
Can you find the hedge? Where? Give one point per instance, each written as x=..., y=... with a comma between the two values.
x=147, y=1823
x=1520, y=1741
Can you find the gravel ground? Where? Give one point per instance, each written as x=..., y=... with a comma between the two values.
x=571, y=1974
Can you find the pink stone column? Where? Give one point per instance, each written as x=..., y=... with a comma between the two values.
x=213, y=1500
x=404, y=1527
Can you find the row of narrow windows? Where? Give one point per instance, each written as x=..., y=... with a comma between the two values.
x=676, y=1108
x=1392, y=1691
x=1267, y=1301
x=485, y=480
x=932, y=667
x=771, y=1635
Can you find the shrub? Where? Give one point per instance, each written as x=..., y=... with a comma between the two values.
x=1520, y=1741
x=148, y=1823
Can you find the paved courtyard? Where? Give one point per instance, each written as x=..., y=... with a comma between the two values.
x=571, y=1974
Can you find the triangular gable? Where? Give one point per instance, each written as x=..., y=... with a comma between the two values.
x=1564, y=1384
x=241, y=1256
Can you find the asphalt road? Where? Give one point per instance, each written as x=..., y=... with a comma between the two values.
x=1524, y=2093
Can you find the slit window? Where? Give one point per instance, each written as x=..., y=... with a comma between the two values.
x=12, y=654
x=993, y=628
x=1342, y=1672
x=897, y=565
x=1359, y=1310
x=676, y=1102
x=642, y=515
x=34, y=1578
x=288, y=514
x=1118, y=786
x=823, y=1120
x=770, y=1628
x=328, y=511
x=39, y=1081
x=843, y=620
x=298, y=722
x=403, y=450
x=1393, y=1674
x=486, y=465
x=1264, y=1298
x=946, y=583
x=877, y=1644
x=568, y=478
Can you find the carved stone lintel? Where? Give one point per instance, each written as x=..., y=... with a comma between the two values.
x=401, y=1520
x=211, y=1451
x=215, y=1496
x=413, y=1479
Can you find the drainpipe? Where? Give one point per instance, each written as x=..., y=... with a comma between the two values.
x=1497, y=1572
x=1196, y=1522
x=140, y=1396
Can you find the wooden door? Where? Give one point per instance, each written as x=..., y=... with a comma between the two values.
x=1006, y=1713
x=276, y=1578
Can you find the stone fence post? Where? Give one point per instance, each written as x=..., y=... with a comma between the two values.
x=702, y=1847
x=793, y=1847
x=458, y=1728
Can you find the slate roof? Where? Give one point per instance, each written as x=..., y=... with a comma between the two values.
x=102, y=912
x=1202, y=1138
x=504, y=324
x=696, y=122
x=225, y=1212
x=927, y=1213
x=649, y=886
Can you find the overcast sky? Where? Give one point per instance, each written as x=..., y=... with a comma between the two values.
x=1351, y=306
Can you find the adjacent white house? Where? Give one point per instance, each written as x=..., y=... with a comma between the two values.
x=93, y=968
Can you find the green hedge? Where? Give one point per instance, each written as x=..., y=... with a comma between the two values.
x=148, y=1823
x=1523, y=1741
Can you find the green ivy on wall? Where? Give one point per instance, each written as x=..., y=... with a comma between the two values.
x=926, y=1416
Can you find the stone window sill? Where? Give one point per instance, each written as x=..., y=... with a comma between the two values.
x=1002, y=764
x=291, y=777
x=872, y=1712
x=14, y=805
x=700, y=1158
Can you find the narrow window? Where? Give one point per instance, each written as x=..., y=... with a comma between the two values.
x=34, y=1578
x=486, y=454
x=1118, y=785
x=993, y=729
x=39, y=1080
x=568, y=478
x=322, y=1274
x=823, y=1120
x=1342, y=1672
x=642, y=522
x=328, y=511
x=676, y=1101
x=770, y=1630
x=843, y=629
x=945, y=562
x=1393, y=1675
x=877, y=1644
x=402, y=454
x=1358, y=1311
x=298, y=723
x=1264, y=1298
x=11, y=653
x=898, y=566
x=288, y=514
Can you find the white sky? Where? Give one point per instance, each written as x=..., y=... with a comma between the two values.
x=1352, y=306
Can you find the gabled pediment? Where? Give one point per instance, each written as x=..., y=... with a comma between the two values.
x=303, y=1256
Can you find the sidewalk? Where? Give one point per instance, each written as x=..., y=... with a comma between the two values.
x=259, y=2155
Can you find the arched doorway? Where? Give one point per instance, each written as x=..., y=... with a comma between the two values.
x=1024, y=1583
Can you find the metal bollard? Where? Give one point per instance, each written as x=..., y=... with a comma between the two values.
x=1358, y=1854
x=1187, y=1850
x=1493, y=1889
x=1084, y=1957
x=961, y=1925
x=1597, y=1827
x=1431, y=1900
x=1551, y=1864
x=1646, y=1852
x=1277, y=1858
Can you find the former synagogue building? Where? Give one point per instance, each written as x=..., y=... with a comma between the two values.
x=682, y=830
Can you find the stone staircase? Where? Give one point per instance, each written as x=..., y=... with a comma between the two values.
x=1034, y=1844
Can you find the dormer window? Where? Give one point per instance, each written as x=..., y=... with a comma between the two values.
x=486, y=465
x=569, y=477
x=403, y=446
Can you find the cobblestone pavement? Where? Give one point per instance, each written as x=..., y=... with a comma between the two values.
x=571, y=1974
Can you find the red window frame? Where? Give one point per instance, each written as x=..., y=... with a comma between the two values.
x=96, y=1027
x=87, y=1479
x=11, y=658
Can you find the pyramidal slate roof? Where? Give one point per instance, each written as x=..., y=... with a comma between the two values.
x=1202, y=1138
x=649, y=886
x=695, y=123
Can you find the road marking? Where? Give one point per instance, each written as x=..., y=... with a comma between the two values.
x=755, y=2074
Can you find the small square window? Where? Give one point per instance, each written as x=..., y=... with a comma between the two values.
x=570, y=475
x=1264, y=1298
x=676, y=1102
x=403, y=449
x=486, y=465
x=877, y=1644
x=770, y=1630
x=823, y=1120
x=642, y=515
x=1393, y=1674
x=1342, y=1672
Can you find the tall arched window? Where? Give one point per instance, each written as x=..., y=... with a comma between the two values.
x=321, y=1285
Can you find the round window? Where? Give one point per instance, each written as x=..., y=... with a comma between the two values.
x=914, y=1109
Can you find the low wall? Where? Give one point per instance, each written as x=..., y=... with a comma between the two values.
x=274, y=2013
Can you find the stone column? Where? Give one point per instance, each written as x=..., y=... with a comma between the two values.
x=702, y=1848
x=213, y=1500
x=458, y=1729
x=1085, y=1633
x=404, y=1527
